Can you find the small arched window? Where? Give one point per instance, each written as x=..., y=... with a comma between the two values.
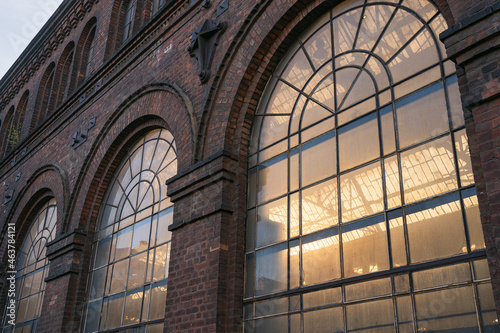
x=32, y=267
x=128, y=20
x=5, y=142
x=128, y=277
x=85, y=51
x=45, y=101
x=65, y=80
x=157, y=4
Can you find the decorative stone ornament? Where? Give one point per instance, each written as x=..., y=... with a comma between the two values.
x=203, y=43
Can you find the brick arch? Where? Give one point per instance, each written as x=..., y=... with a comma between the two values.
x=258, y=52
x=158, y=105
x=47, y=182
x=21, y=112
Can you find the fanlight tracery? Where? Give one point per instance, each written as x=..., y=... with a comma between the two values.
x=128, y=280
x=32, y=267
x=360, y=179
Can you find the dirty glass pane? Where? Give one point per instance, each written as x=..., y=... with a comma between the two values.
x=320, y=257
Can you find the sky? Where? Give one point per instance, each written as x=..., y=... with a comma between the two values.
x=20, y=21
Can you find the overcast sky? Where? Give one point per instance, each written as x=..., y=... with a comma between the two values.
x=20, y=21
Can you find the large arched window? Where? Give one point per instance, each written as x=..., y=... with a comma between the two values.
x=362, y=212
x=128, y=279
x=32, y=268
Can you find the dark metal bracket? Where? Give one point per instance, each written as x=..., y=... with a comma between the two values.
x=203, y=43
x=222, y=7
x=8, y=196
x=81, y=136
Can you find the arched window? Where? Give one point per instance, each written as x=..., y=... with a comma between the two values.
x=21, y=113
x=32, y=268
x=5, y=134
x=128, y=20
x=157, y=4
x=362, y=212
x=128, y=278
x=64, y=73
x=45, y=101
x=85, y=51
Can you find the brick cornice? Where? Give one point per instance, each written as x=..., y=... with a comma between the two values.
x=42, y=46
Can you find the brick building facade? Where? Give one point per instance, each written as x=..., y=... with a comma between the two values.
x=104, y=74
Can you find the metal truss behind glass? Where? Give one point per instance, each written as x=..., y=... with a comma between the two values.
x=128, y=279
x=362, y=212
x=32, y=267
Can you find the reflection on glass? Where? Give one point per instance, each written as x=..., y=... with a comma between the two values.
x=271, y=307
x=319, y=207
x=463, y=158
x=358, y=142
x=272, y=220
x=405, y=320
x=272, y=178
x=441, y=276
x=320, y=321
x=361, y=192
x=422, y=115
x=272, y=324
x=392, y=185
x=368, y=289
x=365, y=246
x=435, y=229
x=428, y=170
x=474, y=226
x=398, y=242
x=448, y=309
x=318, y=159
x=370, y=317
x=322, y=297
x=271, y=270
x=487, y=306
x=320, y=257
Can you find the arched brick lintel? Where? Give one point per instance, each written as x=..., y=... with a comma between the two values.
x=154, y=106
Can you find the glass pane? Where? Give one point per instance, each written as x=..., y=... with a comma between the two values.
x=375, y=18
x=250, y=230
x=392, y=184
x=405, y=320
x=92, y=318
x=359, y=142
x=298, y=70
x=319, y=207
x=319, y=47
x=133, y=304
x=371, y=317
x=487, y=308
x=273, y=324
x=119, y=278
x=387, y=124
x=428, y=170
x=272, y=178
x=450, y=310
x=319, y=159
x=158, y=301
x=398, y=242
x=274, y=129
x=165, y=219
x=137, y=270
x=124, y=238
x=481, y=269
x=270, y=307
x=322, y=297
x=368, y=289
x=272, y=221
x=361, y=192
x=455, y=103
x=435, y=229
x=365, y=246
x=160, y=262
x=474, y=226
x=442, y=276
x=422, y=115
x=294, y=264
x=324, y=321
x=283, y=99
x=294, y=215
x=115, y=310
x=463, y=158
x=402, y=283
x=98, y=282
x=140, y=241
x=271, y=270
x=320, y=257
x=249, y=274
